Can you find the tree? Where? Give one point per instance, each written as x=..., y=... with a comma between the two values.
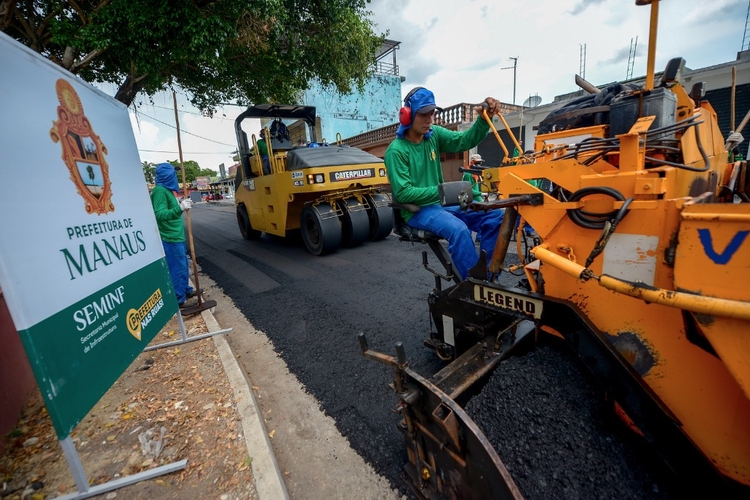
x=192, y=170
x=149, y=171
x=222, y=50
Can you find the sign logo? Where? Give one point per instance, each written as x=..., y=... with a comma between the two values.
x=507, y=300
x=140, y=318
x=348, y=175
x=82, y=151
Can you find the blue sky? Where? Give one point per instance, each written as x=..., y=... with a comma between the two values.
x=458, y=49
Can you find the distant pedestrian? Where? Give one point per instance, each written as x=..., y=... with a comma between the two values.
x=168, y=213
x=475, y=161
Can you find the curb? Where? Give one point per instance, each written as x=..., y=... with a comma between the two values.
x=269, y=482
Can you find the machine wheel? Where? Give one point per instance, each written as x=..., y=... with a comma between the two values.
x=355, y=224
x=381, y=217
x=244, y=222
x=321, y=236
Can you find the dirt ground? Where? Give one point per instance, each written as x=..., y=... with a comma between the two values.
x=180, y=391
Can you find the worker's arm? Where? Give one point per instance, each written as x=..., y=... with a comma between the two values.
x=163, y=209
x=457, y=142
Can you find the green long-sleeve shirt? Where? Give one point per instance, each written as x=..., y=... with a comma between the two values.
x=414, y=170
x=475, y=190
x=168, y=215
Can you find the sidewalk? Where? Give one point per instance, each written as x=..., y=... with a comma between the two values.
x=184, y=401
x=268, y=480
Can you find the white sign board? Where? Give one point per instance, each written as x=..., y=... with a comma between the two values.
x=82, y=266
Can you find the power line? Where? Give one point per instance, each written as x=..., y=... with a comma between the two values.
x=194, y=113
x=186, y=132
x=187, y=153
x=172, y=109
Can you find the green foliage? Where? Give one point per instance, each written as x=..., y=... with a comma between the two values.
x=217, y=51
x=192, y=170
x=149, y=171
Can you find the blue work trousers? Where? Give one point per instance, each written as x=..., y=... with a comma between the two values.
x=266, y=165
x=456, y=226
x=176, y=254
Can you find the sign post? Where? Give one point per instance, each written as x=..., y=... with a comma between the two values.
x=81, y=261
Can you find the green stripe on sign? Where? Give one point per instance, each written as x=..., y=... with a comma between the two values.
x=78, y=353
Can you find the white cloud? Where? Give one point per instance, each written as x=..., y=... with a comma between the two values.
x=457, y=49
x=207, y=141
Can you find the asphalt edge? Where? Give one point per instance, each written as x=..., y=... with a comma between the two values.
x=269, y=482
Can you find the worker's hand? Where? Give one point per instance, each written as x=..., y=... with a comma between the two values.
x=734, y=140
x=185, y=204
x=492, y=106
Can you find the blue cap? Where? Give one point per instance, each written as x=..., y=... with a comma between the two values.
x=422, y=102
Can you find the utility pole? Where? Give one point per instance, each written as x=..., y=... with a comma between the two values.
x=515, y=64
x=582, y=60
x=631, y=58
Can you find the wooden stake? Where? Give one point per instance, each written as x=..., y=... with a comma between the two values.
x=186, y=193
x=731, y=105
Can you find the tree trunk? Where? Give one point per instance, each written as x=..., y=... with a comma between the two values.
x=129, y=89
x=6, y=13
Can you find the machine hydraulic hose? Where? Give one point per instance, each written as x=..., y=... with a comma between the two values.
x=694, y=303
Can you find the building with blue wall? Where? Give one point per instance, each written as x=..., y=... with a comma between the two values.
x=357, y=113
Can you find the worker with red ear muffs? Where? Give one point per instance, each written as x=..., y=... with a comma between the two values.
x=414, y=171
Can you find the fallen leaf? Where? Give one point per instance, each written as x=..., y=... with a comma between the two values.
x=272, y=433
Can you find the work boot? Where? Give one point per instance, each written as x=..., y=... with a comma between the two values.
x=188, y=303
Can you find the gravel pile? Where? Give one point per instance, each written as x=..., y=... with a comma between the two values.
x=546, y=418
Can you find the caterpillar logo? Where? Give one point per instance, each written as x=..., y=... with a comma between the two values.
x=506, y=300
x=347, y=175
x=138, y=319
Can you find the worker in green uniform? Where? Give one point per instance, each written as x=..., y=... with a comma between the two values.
x=414, y=171
x=263, y=153
x=168, y=213
x=475, y=161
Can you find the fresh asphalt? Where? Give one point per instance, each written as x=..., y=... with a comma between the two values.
x=312, y=308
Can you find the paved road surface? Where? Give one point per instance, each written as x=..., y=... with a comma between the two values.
x=312, y=308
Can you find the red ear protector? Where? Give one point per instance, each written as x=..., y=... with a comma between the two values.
x=404, y=114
